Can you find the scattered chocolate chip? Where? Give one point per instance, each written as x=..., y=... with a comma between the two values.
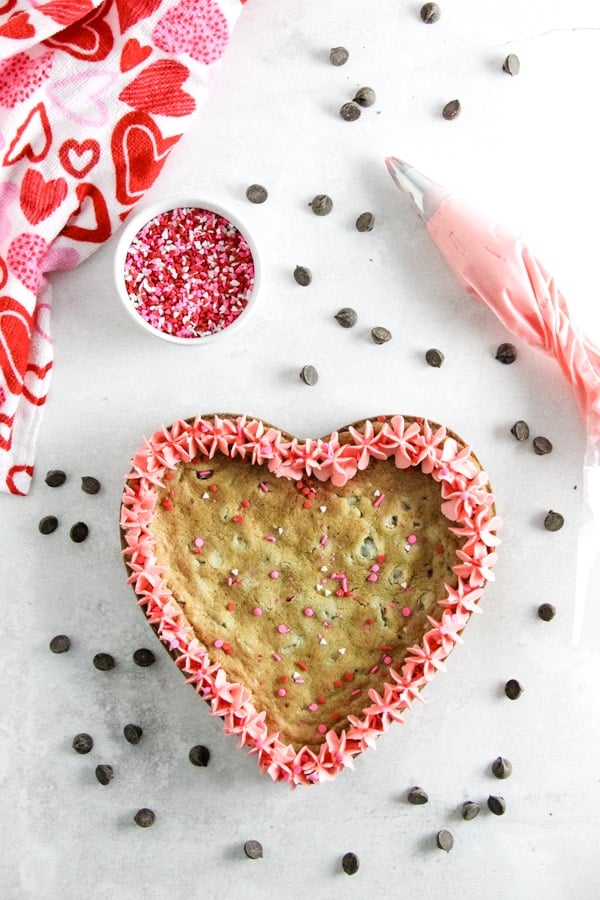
x=48, y=524
x=346, y=317
x=381, y=335
x=417, y=796
x=60, y=643
x=506, y=353
x=513, y=689
x=302, y=276
x=542, y=445
x=338, y=56
x=350, y=863
x=434, y=358
x=501, y=767
x=82, y=743
x=253, y=849
x=199, y=755
x=520, y=430
x=309, y=375
x=365, y=222
x=365, y=96
x=144, y=818
x=104, y=662
x=144, y=657
x=350, y=111
x=321, y=205
x=470, y=810
x=444, y=840
x=256, y=193
x=512, y=64
x=133, y=733
x=496, y=805
x=546, y=612
x=104, y=773
x=430, y=13
x=553, y=521
x=452, y=109
x=78, y=533
x=89, y=484
x=55, y=477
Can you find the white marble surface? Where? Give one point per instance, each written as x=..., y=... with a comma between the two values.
x=526, y=146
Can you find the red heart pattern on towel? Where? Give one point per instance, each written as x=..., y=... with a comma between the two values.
x=100, y=228
x=133, y=11
x=17, y=27
x=40, y=198
x=33, y=138
x=15, y=334
x=139, y=152
x=195, y=27
x=157, y=89
x=133, y=54
x=79, y=157
x=21, y=75
x=64, y=12
x=24, y=259
x=90, y=39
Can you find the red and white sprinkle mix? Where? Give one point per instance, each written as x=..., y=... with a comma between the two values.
x=189, y=272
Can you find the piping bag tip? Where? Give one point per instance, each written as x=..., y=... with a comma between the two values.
x=426, y=194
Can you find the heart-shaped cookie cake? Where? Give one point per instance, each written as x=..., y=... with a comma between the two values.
x=308, y=589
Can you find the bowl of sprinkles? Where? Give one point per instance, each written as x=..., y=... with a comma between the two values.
x=187, y=270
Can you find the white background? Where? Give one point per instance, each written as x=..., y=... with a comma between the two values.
x=525, y=146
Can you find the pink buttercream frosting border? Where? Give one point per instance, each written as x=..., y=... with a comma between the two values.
x=467, y=501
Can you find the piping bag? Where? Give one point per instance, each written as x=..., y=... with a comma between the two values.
x=499, y=270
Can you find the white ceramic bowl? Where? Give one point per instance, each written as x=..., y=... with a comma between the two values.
x=128, y=233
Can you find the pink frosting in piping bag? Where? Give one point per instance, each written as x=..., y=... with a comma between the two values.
x=499, y=269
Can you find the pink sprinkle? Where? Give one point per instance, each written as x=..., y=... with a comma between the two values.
x=379, y=500
x=373, y=670
x=374, y=568
x=257, y=611
x=387, y=660
x=218, y=643
x=355, y=693
x=282, y=629
x=230, y=581
x=281, y=692
x=309, y=612
x=372, y=577
x=264, y=487
x=274, y=574
x=322, y=729
x=313, y=707
x=271, y=537
x=198, y=542
x=412, y=539
x=406, y=612
x=323, y=540
x=276, y=657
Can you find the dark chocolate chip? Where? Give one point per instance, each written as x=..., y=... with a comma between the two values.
x=542, y=445
x=302, y=276
x=253, y=849
x=452, y=109
x=350, y=111
x=554, y=521
x=380, y=335
x=417, y=796
x=470, y=810
x=55, y=477
x=309, y=375
x=346, y=317
x=496, y=805
x=199, y=755
x=501, y=767
x=338, y=56
x=133, y=733
x=144, y=818
x=350, y=863
x=512, y=64
x=104, y=773
x=104, y=662
x=89, y=484
x=520, y=430
x=144, y=657
x=48, y=524
x=430, y=13
x=434, y=358
x=256, y=193
x=322, y=204
x=60, y=643
x=82, y=743
x=513, y=689
x=365, y=222
x=444, y=840
x=546, y=612
x=506, y=353
x=365, y=96
x=78, y=533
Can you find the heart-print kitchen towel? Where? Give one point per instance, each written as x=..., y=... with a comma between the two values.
x=93, y=96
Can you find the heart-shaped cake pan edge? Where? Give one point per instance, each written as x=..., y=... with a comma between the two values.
x=467, y=501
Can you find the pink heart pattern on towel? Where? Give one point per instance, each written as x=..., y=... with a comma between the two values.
x=195, y=27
